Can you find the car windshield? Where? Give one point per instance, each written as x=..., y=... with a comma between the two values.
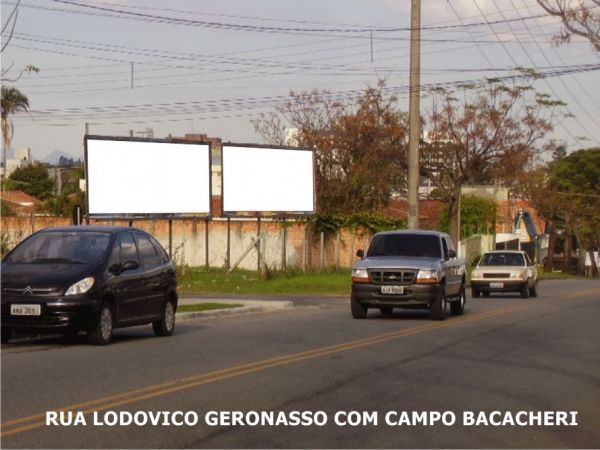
x=61, y=247
x=502, y=259
x=405, y=245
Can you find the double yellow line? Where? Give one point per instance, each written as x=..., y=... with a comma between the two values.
x=32, y=422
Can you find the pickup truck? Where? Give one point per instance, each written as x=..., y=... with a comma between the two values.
x=408, y=269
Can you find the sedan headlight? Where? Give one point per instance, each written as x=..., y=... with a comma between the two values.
x=360, y=275
x=81, y=287
x=427, y=276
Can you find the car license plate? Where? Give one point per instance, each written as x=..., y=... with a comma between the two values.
x=25, y=310
x=392, y=289
x=497, y=285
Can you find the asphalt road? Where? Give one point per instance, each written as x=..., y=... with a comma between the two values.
x=505, y=354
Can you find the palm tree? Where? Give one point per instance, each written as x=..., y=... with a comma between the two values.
x=12, y=101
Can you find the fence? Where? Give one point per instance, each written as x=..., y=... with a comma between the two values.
x=223, y=243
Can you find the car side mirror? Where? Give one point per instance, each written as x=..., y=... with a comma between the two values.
x=360, y=253
x=452, y=253
x=115, y=269
x=129, y=265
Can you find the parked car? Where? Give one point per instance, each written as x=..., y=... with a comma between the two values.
x=408, y=269
x=87, y=278
x=504, y=271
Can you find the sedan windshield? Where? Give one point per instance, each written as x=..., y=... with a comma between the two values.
x=502, y=259
x=61, y=247
x=405, y=245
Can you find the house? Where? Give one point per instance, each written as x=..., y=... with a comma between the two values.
x=20, y=202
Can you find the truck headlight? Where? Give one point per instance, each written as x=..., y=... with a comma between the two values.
x=427, y=276
x=81, y=287
x=360, y=275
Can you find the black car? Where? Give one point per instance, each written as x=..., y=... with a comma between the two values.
x=87, y=278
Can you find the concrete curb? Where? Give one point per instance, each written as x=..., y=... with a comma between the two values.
x=250, y=307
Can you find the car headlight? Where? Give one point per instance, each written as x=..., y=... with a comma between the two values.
x=518, y=276
x=476, y=275
x=81, y=287
x=427, y=276
x=360, y=275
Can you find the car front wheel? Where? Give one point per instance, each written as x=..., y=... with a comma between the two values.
x=166, y=324
x=102, y=333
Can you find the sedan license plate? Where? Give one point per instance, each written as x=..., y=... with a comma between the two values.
x=392, y=289
x=25, y=310
x=497, y=285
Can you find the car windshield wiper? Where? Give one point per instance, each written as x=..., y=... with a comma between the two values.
x=55, y=260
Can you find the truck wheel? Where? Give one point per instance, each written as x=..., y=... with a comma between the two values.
x=102, y=333
x=525, y=290
x=358, y=311
x=533, y=290
x=437, y=309
x=387, y=310
x=457, y=307
x=475, y=293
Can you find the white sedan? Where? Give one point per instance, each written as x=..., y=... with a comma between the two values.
x=504, y=271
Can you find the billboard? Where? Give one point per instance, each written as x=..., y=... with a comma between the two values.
x=141, y=177
x=260, y=179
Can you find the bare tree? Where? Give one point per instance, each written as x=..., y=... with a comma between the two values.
x=579, y=18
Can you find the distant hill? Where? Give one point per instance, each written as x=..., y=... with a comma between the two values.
x=54, y=157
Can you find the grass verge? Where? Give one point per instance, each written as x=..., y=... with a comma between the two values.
x=207, y=307
x=292, y=282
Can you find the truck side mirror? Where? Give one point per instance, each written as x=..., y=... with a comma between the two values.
x=452, y=253
x=360, y=253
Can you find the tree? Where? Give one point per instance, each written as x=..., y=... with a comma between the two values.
x=13, y=101
x=575, y=180
x=579, y=18
x=487, y=133
x=477, y=216
x=34, y=180
x=360, y=146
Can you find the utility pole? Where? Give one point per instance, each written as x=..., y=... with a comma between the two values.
x=414, y=114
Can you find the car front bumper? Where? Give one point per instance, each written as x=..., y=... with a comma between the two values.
x=491, y=285
x=56, y=314
x=415, y=295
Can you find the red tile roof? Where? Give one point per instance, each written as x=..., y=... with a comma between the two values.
x=19, y=201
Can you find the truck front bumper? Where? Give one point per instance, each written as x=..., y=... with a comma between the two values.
x=414, y=295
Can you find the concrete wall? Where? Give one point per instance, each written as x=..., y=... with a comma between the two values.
x=303, y=248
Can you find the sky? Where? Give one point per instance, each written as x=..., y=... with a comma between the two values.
x=186, y=66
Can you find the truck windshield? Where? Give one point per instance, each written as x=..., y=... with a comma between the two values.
x=419, y=245
x=62, y=248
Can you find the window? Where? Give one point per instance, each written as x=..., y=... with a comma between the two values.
x=445, y=248
x=150, y=257
x=160, y=250
x=128, y=248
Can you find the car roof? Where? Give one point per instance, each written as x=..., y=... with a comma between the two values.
x=90, y=229
x=520, y=252
x=423, y=232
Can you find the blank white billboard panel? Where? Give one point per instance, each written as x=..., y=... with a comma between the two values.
x=259, y=179
x=144, y=178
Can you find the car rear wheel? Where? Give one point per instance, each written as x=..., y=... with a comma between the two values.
x=438, y=307
x=457, y=307
x=525, y=290
x=166, y=324
x=358, y=311
x=102, y=333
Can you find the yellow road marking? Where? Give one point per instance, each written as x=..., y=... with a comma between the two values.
x=162, y=389
x=579, y=294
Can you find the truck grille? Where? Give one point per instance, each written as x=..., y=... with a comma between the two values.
x=393, y=276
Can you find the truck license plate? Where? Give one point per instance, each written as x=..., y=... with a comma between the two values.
x=392, y=289
x=497, y=285
x=25, y=310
